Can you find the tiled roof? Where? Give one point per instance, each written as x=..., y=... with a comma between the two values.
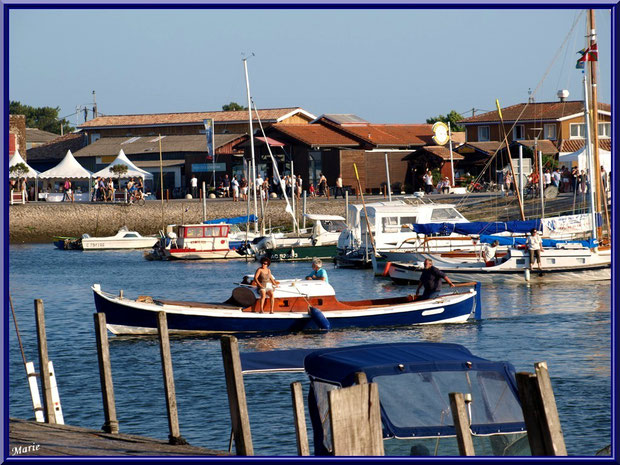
x=544, y=145
x=107, y=146
x=485, y=147
x=572, y=145
x=533, y=112
x=57, y=149
x=458, y=137
x=158, y=119
x=316, y=135
x=37, y=135
x=393, y=135
x=443, y=152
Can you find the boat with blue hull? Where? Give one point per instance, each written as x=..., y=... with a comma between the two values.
x=299, y=305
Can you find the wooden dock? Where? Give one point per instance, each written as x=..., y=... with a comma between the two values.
x=29, y=438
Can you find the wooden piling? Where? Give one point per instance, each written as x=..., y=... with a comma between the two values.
x=360, y=378
x=48, y=403
x=166, y=363
x=540, y=413
x=355, y=419
x=236, y=396
x=303, y=449
x=461, y=424
x=105, y=374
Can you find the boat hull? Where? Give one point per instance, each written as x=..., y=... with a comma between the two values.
x=291, y=254
x=109, y=244
x=126, y=316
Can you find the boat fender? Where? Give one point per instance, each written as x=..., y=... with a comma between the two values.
x=319, y=318
x=386, y=270
x=244, y=296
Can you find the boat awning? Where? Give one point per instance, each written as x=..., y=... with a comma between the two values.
x=235, y=220
x=314, y=217
x=291, y=360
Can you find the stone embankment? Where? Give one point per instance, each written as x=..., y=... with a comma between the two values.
x=38, y=222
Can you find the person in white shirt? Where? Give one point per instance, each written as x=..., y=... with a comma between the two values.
x=235, y=188
x=489, y=252
x=339, y=187
x=534, y=247
x=194, y=183
x=428, y=182
x=556, y=177
x=547, y=178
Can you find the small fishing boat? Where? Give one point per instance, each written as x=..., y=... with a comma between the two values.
x=415, y=380
x=300, y=305
x=123, y=239
x=193, y=242
x=67, y=242
x=562, y=263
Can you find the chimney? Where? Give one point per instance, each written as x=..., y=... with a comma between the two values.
x=563, y=95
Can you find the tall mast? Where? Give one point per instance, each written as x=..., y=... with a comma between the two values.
x=589, y=157
x=596, y=174
x=253, y=177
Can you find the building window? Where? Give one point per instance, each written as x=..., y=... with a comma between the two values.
x=577, y=131
x=604, y=130
x=550, y=131
x=518, y=132
x=483, y=134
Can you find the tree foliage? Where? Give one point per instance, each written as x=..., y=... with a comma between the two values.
x=233, y=106
x=119, y=170
x=453, y=118
x=19, y=170
x=44, y=118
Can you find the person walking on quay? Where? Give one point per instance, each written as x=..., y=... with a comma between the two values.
x=244, y=189
x=565, y=179
x=428, y=182
x=266, y=283
x=235, y=188
x=546, y=179
x=110, y=190
x=298, y=184
x=583, y=182
x=508, y=182
x=318, y=273
x=535, y=248
x=322, y=185
x=575, y=178
x=604, y=178
x=226, y=186
x=431, y=280
x=555, y=178
x=68, y=193
x=338, y=187
x=194, y=184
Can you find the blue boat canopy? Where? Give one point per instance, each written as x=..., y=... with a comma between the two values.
x=477, y=227
x=414, y=380
x=234, y=220
x=551, y=243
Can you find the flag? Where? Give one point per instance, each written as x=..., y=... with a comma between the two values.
x=587, y=54
x=209, y=133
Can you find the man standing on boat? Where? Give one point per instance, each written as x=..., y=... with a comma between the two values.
x=265, y=282
x=431, y=280
x=534, y=247
x=317, y=271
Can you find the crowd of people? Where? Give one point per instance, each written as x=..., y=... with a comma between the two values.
x=103, y=189
x=565, y=179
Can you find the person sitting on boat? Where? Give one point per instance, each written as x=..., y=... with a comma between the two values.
x=431, y=280
x=265, y=282
x=489, y=253
x=317, y=271
x=534, y=247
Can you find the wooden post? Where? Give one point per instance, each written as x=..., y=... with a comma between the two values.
x=303, y=449
x=236, y=396
x=360, y=378
x=355, y=419
x=105, y=374
x=540, y=413
x=304, y=215
x=166, y=363
x=48, y=403
x=461, y=424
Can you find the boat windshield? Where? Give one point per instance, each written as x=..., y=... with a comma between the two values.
x=445, y=214
x=419, y=403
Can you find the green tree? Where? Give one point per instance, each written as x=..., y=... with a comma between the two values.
x=19, y=170
x=44, y=118
x=119, y=170
x=233, y=106
x=453, y=118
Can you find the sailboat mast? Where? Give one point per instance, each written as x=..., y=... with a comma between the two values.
x=253, y=177
x=596, y=174
x=589, y=157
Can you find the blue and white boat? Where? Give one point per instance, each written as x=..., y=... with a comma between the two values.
x=300, y=305
x=414, y=380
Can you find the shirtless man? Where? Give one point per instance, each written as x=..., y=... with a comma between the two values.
x=265, y=283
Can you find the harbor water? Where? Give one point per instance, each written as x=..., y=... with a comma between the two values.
x=567, y=325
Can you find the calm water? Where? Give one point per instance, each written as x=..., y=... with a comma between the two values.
x=568, y=326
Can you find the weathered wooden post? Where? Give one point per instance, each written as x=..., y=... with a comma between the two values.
x=236, y=396
x=105, y=374
x=166, y=362
x=461, y=423
x=304, y=207
x=360, y=378
x=301, y=432
x=48, y=403
x=542, y=421
x=355, y=419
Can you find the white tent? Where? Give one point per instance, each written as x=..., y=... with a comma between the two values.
x=121, y=159
x=17, y=159
x=580, y=159
x=67, y=168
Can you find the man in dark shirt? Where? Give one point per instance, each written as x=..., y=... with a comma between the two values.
x=431, y=280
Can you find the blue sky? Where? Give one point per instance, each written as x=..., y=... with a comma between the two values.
x=387, y=66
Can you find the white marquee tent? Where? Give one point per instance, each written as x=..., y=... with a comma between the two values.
x=17, y=159
x=580, y=159
x=121, y=159
x=67, y=168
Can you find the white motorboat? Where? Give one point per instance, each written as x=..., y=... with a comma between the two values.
x=123, y=239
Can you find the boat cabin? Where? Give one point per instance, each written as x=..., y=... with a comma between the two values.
x=199, y=236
